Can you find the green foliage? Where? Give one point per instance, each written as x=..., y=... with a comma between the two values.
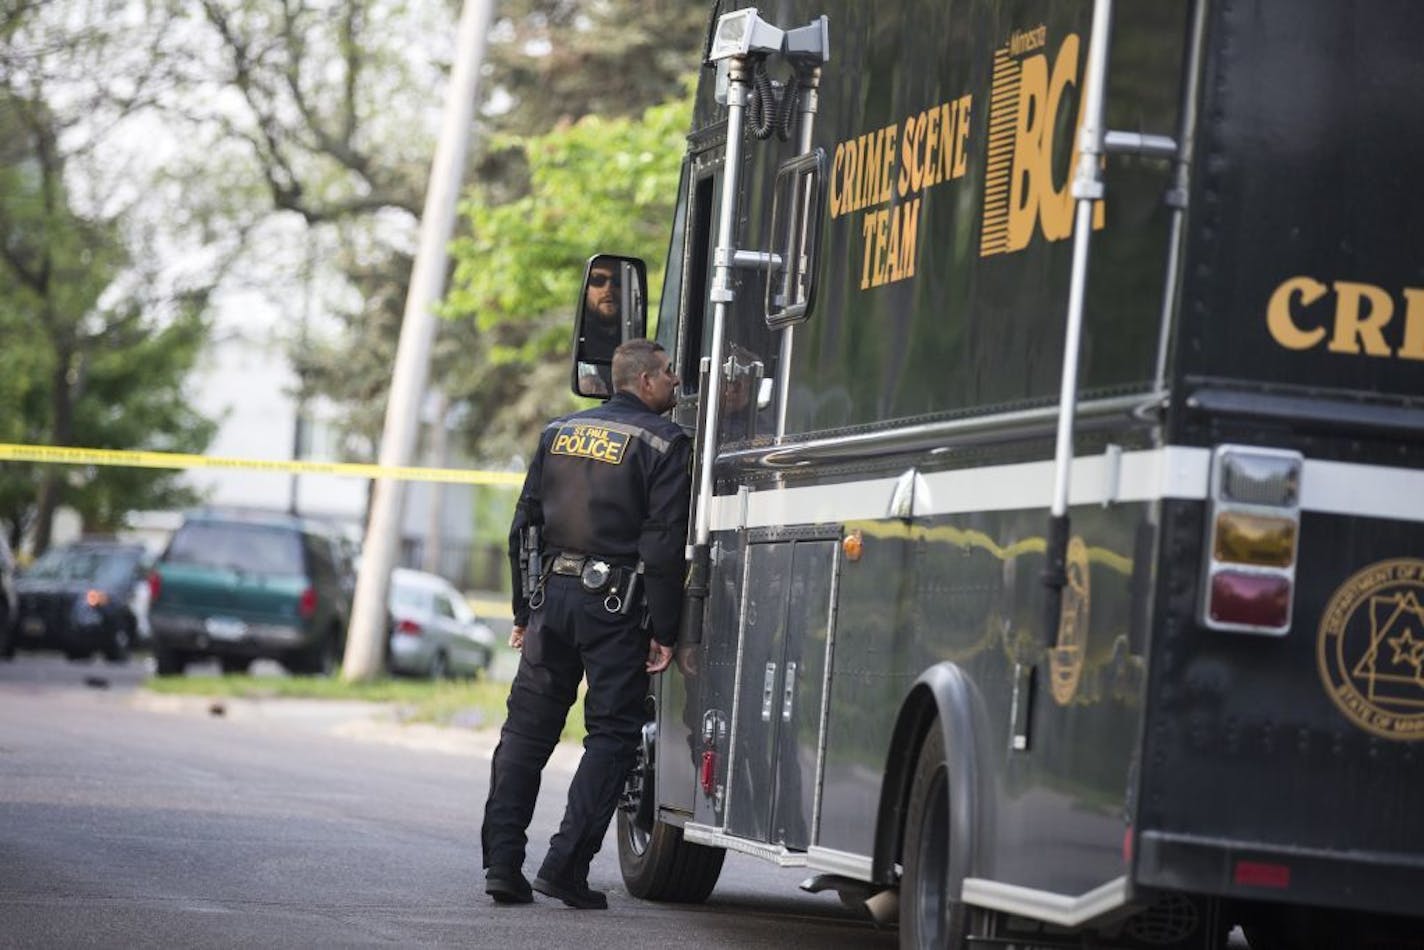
x=598, y=185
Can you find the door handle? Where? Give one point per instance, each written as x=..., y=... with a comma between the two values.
x=788, y=695
x=768, y=690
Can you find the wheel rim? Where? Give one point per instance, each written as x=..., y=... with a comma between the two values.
x=636, y=837
x=632, y=801
x=932, y=878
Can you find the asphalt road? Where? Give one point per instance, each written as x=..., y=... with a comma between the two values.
x=128, y=820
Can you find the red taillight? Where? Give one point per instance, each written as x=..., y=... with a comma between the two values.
x=155, y=586
x=408, y=627
x=306, y=605
x=1250, y=600
x=709, y=771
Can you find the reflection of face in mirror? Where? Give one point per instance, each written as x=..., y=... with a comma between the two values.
x=603, y=311
x=610, y=309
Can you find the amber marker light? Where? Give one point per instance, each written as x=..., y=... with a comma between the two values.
x=853, y=545
x=96, y=598
x=1254, y=539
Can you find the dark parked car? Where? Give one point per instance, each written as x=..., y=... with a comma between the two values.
x=78, y=598
x=240, y=586
x=9, y=609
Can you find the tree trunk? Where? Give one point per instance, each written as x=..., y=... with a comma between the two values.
x=61, y=433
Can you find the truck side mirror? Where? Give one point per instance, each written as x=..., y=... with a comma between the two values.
x=612, y=308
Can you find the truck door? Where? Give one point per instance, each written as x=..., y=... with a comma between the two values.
x=786, y=633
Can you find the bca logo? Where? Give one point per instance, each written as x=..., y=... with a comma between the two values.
x=1025, y=191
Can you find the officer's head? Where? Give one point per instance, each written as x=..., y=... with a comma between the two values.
x=641, y=368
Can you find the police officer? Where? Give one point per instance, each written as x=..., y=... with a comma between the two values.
x=609, y=486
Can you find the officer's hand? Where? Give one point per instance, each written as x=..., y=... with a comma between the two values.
x=516, y=638
x=659, y=657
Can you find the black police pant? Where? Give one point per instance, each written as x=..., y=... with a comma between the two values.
x=571, y=634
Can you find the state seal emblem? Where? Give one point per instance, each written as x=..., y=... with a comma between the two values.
x=1371, y=648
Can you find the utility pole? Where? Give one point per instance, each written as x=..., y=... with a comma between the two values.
x=365, y=639
x=439, y=457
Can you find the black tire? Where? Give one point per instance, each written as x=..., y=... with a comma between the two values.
x=657, y=864
x=661, y=866
x=167, y=661
x=9, y=630
x=120, y=643
x=234, y=665
x=320, y=659
x=929, y=918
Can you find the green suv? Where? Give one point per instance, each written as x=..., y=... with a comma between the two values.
x=240, y=586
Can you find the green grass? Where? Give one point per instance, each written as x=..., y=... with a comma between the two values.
x=477, y=704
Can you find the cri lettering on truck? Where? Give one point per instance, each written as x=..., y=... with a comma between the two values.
x=1346, y=317
x=600, y=443
x=1024, y=194
x=884, y=174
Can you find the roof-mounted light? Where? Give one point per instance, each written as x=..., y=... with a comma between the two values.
x=744, y=32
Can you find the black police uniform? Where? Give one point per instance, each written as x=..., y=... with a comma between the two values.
x=609, y=483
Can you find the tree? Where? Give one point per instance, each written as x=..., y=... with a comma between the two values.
x=93, y=365
x=596, y=185
x=337, y=122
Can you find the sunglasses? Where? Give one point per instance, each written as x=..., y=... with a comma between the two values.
x=598, y=280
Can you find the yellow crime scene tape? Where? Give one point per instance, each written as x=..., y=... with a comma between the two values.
x=66, y=455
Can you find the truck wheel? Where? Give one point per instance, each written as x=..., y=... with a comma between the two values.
x=661, y=866
x=167, y=661
x=657, y=864
x=929, y=917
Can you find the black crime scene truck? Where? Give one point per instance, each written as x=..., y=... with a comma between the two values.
x=1056, y=561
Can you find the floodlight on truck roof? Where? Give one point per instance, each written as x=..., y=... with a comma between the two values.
x=742, y=33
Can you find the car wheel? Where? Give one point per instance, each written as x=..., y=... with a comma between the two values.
x=120, y=643
x=234, y=665
x=320, y=659
x=439, y=667
x=167, y=661
x=8, y=629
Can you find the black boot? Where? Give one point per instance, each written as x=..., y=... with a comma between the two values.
x=508, y=886
x=575, y=895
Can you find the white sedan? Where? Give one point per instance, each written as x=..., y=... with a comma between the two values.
x=433, y=630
